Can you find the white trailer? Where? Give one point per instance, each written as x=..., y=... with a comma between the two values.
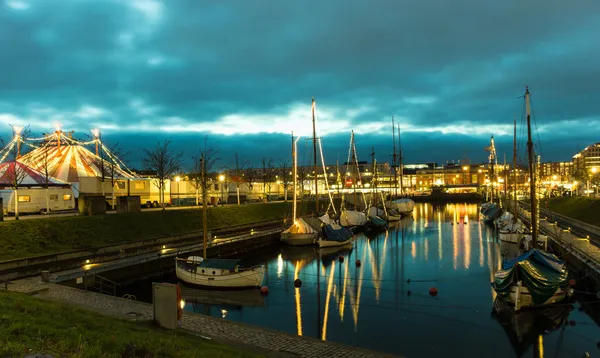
x=33, y=200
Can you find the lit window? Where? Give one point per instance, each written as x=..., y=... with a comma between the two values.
x=24, y=199
x=67, y=197
x=121, y=184
x=139, y=185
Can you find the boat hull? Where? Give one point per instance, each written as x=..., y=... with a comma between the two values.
x=299, y=239
x=520, y=298
x=334, y=243
x=243, y=279
x=510, y=237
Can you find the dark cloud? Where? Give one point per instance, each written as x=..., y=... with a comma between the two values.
x=438, y=66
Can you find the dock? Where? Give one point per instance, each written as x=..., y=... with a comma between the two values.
x=586, y=255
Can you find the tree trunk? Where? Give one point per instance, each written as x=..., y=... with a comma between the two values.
x=197, y=195
x=47, y=200
x=113, y=196
x=238, y=194
x=16, y=204
x=285, y=194
x=204, y=223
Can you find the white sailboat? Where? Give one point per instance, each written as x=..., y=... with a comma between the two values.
x=218, y=273
x=403, y=206
x=353, y=218
x=300, y=233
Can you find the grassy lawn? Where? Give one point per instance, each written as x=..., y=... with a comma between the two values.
x=27, y=238
x=577, y=207
x=30, y=325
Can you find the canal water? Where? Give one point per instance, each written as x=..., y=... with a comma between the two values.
x=385, y=303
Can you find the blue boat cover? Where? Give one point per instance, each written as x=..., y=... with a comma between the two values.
x=341, y=234
x=541, y=272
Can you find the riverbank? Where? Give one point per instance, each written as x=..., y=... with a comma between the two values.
x=230, y=337
x=31, y=325
x=27, y=238
x=577, y=207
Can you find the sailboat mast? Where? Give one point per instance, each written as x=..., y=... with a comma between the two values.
x=355, y=167
x=294, y=172
x=394, y=158
x=315, y=157
x=515, y=167
x=506, y=196
x=400, y=164
x=374, y=176
x=531, y=171
x=492, y=160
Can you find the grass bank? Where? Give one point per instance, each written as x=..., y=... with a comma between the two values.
x=26, y=238
x=577, y=207
x=29, y=325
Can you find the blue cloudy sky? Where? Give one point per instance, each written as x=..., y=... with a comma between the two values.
x=244, y=72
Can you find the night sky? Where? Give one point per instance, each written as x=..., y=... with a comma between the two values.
x=244, y=72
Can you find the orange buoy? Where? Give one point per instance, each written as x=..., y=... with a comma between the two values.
x=341, y=259
x=357, y=263
x=297, y=283
x=572, y=282
x=433, y=291
x=264, y=290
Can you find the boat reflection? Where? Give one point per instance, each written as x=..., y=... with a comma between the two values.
x=527, y=327
x=199, y=299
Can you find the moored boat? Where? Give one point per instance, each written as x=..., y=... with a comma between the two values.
x=335, y=235
x=299, y=234
x=217, y=273
x=405, y=206
x=536, y=278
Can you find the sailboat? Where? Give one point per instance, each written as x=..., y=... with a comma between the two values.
x=490, y=211
x=378, y=218
x=353, y=219
x=536, y=278
x=215, y=273
x=510, y=228
x=401, y=206
x=334, y=234
x=300, y=233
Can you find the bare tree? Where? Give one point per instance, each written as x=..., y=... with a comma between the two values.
x=302, y=172
x=205, y=161
x=16, y=171
x=285, y=175
x=110, y=158
x=238, y=178
x=268, y=173
x=250, y=177
x=163, y=161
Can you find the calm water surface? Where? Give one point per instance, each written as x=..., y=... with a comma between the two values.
x=374, y=306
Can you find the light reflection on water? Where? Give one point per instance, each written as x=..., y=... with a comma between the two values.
x=444, y=247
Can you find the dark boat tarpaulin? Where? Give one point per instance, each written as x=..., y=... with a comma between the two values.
x=542, y=273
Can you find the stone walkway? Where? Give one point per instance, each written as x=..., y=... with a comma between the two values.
x=264, y=341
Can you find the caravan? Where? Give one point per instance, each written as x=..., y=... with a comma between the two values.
x=33, y=200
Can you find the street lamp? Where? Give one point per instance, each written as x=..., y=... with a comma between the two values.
x=222, y=179
x=177, y=179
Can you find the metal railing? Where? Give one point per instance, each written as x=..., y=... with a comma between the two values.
x=101, y=284
x=5, y=283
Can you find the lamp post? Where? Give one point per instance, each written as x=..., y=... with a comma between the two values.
x=177, y=179
x=222, y=179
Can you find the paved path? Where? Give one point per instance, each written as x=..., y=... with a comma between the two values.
x=581, y=247
x=264, y=341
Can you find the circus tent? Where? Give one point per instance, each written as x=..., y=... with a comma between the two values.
x=70, y=162
x=28, y=177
